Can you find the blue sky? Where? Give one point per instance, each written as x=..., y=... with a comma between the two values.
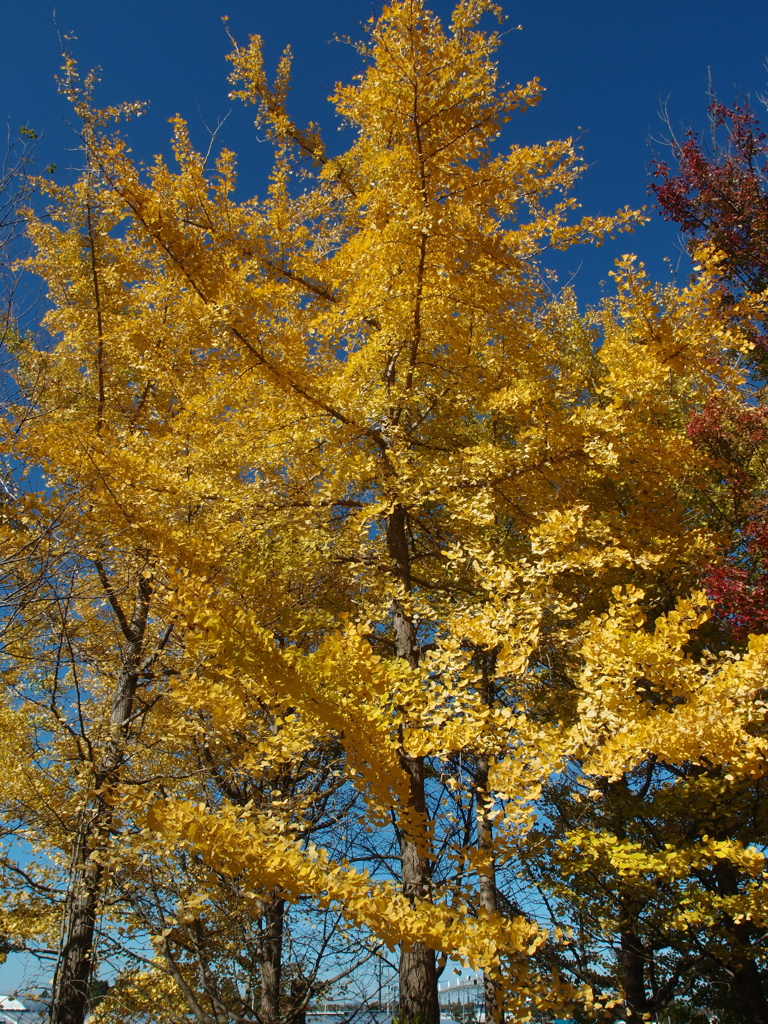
x=608, y=67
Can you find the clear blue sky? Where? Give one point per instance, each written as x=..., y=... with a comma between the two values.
x=607, y=67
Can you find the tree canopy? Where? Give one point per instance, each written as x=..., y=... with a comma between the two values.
x=364, y=577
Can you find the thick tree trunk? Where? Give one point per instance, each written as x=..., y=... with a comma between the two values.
x=418, y=967
x=632, y=966
x=271, y=964
x=419, y=1002
x=749, y=993
x=75, y=965
x=746, y=983
x=492, y=994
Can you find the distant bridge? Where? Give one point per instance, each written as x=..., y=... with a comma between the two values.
x=473, y=985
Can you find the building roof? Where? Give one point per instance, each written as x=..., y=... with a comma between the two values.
x=16, y=1009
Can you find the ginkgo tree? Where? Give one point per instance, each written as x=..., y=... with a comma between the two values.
x=646, y=839
x=388, y=491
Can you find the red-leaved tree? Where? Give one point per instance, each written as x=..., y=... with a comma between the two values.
x=718, y=195
x=736, y=439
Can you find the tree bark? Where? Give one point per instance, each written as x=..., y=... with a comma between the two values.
x=749, y=993
x=746, y=982
x=75, y=965
x=271, y=963
x=419, y=1003
x=299, y=998
x=632, y=966
x=492, y=994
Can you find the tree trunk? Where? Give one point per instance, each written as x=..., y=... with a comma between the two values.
x=299, y=999
x=632, y=966
x=419, y=1002
x=746, y=982
x=418, y=968
x=492, y=995
x=749, y=994
x=271, y=963
x=75, y=965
